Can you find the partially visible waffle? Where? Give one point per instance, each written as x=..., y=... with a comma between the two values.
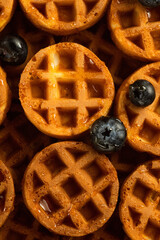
x=34, y=38
x=127, y=159
x=19, y=142
x=64, y=89
x=6, y=193
x=64, y=17
x=70, y=188
x=140, y=202
x=21, y=225
x=6, y=11
x=98, y=40
x=136, y=29
x=142, y=123
x=5, y=96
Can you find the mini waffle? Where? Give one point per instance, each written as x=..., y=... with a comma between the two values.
x=6, y=193
x=19, y=142
x=97, y=39
x=143, y=124
x=64, y=89
x=21, y=225
x=70, y=188
x=65, y=16
x=136, y=29
x=140, y=202
x=34, y=38
x=6, y=11
x=5, y=96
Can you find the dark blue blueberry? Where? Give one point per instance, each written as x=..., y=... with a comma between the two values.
x=141, y=93
x=150, y=3
x=108, y=134
x=13, y=50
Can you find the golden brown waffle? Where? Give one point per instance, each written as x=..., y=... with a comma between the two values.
x=97, y=39
x=140, y=201
x=64, y=89
x=6, y=193
x=70, y=188
x=19, y=142
x=21, y=225
x=6, y=11
x=5, y=96
x=65, y=16
x=136, y=29
x=34, y=38
x=143, y=124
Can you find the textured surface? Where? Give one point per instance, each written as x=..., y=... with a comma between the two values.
x=98, y=40
x=21, y=225
x=143, y=124
x=136, y=29
x=70, y=188
x=64, y=89
x=140, y=202
x=6, y=12
x=64, y=16
x=6, y=193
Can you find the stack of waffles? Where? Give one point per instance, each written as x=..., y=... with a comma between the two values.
x=83, y=55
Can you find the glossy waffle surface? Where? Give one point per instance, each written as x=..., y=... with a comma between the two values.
x=64, y=89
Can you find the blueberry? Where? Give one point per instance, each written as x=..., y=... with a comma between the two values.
x=108, y=134
x=141, y=93
x=13, y=50
x=150, y=3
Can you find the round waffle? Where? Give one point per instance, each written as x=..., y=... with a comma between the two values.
x=5, y=96
x=34, y=38
x=140, y=202
x=64, y=17
x=6, y=193
x=21, y=225
x=97, y=39
x=70, y=188
x=64, y=89
x=136, y=29
x=142, y=123
x=6, y=11
x=19, y=142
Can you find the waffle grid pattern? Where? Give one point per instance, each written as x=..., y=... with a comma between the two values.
x=140, y=195
x=98, y=40
x=138, y=27
x=63, y=9
x=69, y=15
x=62, y=187
x=142, y=123
x=70, y=95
